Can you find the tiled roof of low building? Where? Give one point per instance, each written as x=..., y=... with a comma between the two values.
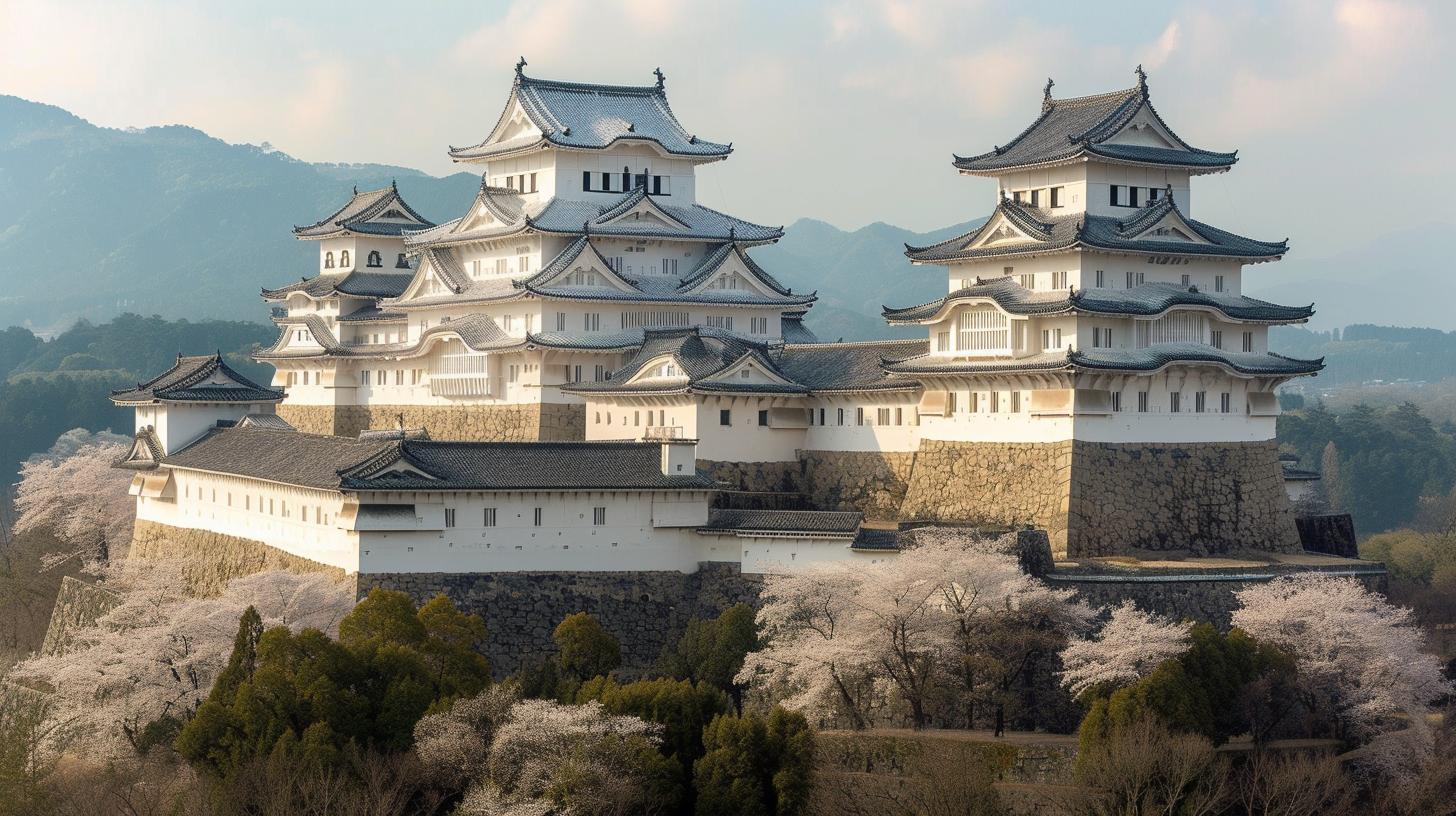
x=1152, y=358
x=698, y=357
x=876, y=540
x=341, y=463
x=1069, y=129
x=1048, y=233
x=783, y=521
x=585, y=116
x=364, y=214
x=356, y=283
x=204, y=378
x=830, y=367
x=1143, y=300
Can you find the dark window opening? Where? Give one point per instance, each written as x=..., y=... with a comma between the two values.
x=763, y=419
x=401, y=262
x=1056, y=197
x=586, y=181
x=375, y=259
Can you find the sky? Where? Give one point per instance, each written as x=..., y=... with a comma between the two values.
x=848, y=112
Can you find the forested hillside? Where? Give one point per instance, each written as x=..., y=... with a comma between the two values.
x=1362, y=353
x=96, y=221
x=51, y=387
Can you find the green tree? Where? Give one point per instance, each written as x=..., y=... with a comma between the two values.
x=307, y=696
x=682, y=708
x=712, y=651
x=585, y=648
x=1198, y=692
x=755, y=767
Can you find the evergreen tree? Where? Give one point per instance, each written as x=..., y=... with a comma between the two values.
x=586, y=649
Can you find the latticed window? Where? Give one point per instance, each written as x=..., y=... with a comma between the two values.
x=982, y=330
x=1174, y=327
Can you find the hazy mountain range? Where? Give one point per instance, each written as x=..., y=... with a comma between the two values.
x=170, y=221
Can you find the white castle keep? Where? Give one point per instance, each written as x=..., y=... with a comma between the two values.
x=570, y=374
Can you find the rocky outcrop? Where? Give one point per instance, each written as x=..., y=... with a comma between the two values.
x=474, y=423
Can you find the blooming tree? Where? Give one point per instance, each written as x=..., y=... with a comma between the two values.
x=1130, y=645
x=1359, y=658
x=537, y=757
x=74, y=492
x=850, y=638
x=156, y=653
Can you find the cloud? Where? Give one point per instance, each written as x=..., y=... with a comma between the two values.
x=1167, y=43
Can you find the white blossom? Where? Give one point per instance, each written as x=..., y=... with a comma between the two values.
x=75, y=493
x=157, y=652
x=1359, y=658
x=1128, y=647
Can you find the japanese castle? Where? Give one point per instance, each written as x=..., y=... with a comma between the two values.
x=569, y=374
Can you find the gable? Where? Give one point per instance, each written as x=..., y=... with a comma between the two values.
x=749, y=370
x=645, y=213
x=662, y=367
x=1171, y=227
x=730, y=274
x=998, y=231
x=514, y=124
x=1144, y=130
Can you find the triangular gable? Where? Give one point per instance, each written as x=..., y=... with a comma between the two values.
x=434, y=266
x=389, y=464
x=515, y=123
x=145, y=452
x=1000, y=230
x=401, y=468
x=750, y=369
x=732, y=269
x=587, y=267
x=644, y=211
x=1171, y=227
x=1144, y=129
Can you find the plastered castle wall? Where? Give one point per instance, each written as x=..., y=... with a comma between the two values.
x=1097, y=498
x=472, y=423
x=645, y=611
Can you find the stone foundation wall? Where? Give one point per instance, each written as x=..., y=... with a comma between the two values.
x=1109, y=499
x=1007, y=483
x=870, y=482
x=1205, y=597
x=1206, y=497
x=644, y=610
x=78, y=605
x=210, y=560
x=475, y=423
x=756, y=477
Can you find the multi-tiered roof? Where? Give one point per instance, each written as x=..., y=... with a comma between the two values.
x=587, y=116
x=1070, y=130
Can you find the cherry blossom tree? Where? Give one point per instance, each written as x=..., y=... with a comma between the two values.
x=156, y=653
x=1359, y=659
x=537, y=757
x=850, y=639
x=1129, y=645
x=74, y=492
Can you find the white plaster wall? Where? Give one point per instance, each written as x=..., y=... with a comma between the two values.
x=1101, y=175
x=235, y=506
x=178, y=425
x=869, y=434
x=744, y=440
x=762, y=554
x=628, y=419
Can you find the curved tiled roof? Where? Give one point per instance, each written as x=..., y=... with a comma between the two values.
x=477, y=331
x=204, y=378
x=698, y=356
x=1063, y=233
x=1145, y=300
x=573, y=217
x=839, y=523
x=1152, y=358
x=359, y=213
x=356, y=283
x=1068, y=129
x=586, y=116
x=791, y=326
x=833, y=367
